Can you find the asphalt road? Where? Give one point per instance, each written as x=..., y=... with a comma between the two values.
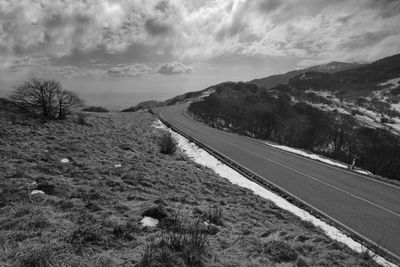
x=367, y=206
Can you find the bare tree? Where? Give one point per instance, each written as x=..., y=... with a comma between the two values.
x=66, y=100
x=45, y=96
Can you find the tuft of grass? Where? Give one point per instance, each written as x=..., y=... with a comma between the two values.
x=126, y=231
x=66, y=204
x=367, y=257
x=280, y=251
x=41, y=256
x=213, y=215
x=180, y=242
x=167, y=143
x=84, y=236
x=154, y=255
x=38, y=221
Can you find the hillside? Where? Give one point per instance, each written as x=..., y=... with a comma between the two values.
x=273, y=80
x=370, y=93
x=74, y=194
x=343, y=115
x=142, y=106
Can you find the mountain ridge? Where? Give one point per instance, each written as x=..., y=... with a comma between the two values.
x=273, y=80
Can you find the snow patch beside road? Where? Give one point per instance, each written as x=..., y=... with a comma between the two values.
x=202, y=157
x=308, y=155
x=315, y=157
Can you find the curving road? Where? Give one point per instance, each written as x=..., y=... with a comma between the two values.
x=369, y=207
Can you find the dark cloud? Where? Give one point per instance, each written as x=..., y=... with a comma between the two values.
x=385, y=8
x=344, y=19
x=270, y=5
x=174, y=68
x=54, y=21
x=155, y=27
x=368, y=39
x=162, y=6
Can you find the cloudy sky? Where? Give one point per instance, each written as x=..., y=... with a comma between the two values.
x=119, y=52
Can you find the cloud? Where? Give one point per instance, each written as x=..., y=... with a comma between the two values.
x=128, y=70
x=155, y=27
x=367, y=39
x=128, y=32
x=174, y=68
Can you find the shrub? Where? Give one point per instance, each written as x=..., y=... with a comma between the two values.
x=47, y=97
x=384, y=120
x=355, y=112
x=167, y=143
x=95, y=109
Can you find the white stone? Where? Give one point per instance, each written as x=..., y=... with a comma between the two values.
x=148, y=221
x=35, y=192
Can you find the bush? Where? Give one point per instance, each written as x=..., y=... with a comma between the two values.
x=387, y=120
x=355, y=112
x=47, y=97
x=95, y=109
x=167, y=143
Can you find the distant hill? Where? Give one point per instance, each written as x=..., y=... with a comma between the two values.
x=274, y=80
x=143, y=105
x=363, y=79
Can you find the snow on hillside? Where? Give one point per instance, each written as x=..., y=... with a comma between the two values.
x=365, y=114
x=200, y=97
x=392, y=83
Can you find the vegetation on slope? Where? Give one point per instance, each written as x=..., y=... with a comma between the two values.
x=44, y=97
x=359, y=80
x=90, y=207
x=142, y=106
x=248, y=110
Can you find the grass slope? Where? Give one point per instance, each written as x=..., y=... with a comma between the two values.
x=91, y=212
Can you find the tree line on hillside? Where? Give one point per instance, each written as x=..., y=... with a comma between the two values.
x=257, y=114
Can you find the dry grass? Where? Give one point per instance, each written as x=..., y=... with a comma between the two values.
x=167, y=143
x=91, y=212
